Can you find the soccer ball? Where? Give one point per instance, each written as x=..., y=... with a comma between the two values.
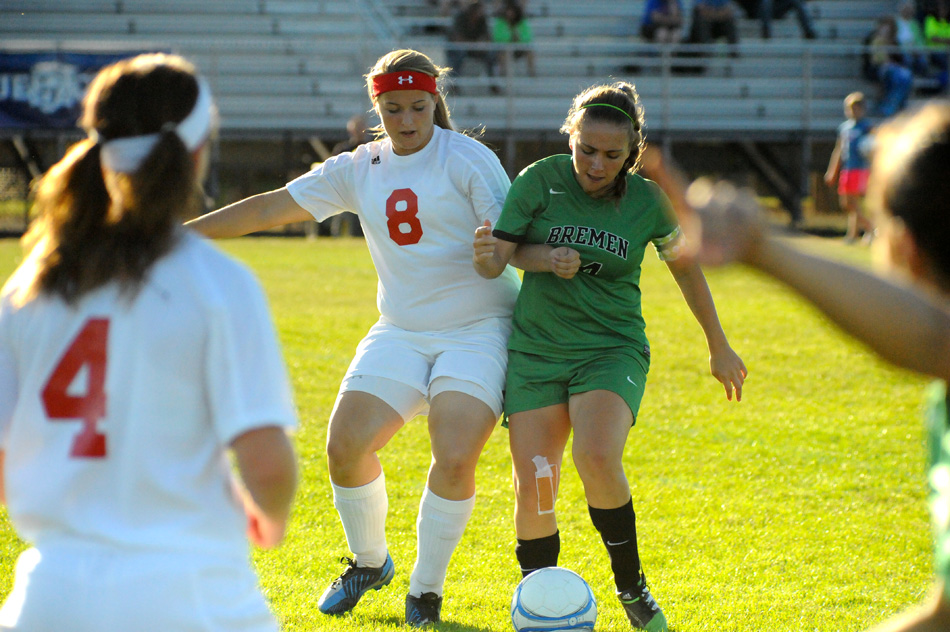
x=553, y=598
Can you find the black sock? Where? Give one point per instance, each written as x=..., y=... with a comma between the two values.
x=538, y=553
x=618, y=530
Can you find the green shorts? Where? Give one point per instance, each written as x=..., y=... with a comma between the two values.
x=537, y=381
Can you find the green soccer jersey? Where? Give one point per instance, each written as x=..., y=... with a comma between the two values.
x=939, y=425
x=600, y=307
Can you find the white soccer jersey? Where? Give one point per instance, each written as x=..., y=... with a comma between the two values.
x=125, y=407
x=419, y=214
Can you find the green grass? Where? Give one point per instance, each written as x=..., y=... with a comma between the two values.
x=800, y=508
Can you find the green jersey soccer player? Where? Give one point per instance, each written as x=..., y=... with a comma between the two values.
x=578, y=355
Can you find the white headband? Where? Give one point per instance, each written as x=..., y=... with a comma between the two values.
x=127, y=154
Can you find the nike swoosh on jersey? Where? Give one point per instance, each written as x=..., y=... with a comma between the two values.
x=631, y=381
x=553, y=192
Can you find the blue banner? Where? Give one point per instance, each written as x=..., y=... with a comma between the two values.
x=45, y=90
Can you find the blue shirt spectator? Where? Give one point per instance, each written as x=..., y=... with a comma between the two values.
x=662, y=21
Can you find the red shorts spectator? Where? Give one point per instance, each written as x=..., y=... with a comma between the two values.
x=853, y=181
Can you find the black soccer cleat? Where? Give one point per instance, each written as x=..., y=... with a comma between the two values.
x=426, y=609
x=642, y=609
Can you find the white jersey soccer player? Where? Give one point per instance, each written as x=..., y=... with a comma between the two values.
x=115, y=449
x=417, y=213
x=429, y=200
x=441, y=339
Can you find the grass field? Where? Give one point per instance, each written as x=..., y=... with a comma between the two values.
x=800, y=508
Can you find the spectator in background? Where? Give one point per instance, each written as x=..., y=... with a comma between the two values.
x=713, y=19
x=910, y=36
x=470, y=24
x=766, y=10
x=510, y=27
x=445, y=7
x=662, y=22
x=886, y=66
x=849, y=164
x=356, y=136
x=937, y=37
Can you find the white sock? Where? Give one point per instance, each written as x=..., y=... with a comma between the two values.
x=363, y=513
x=440, y=526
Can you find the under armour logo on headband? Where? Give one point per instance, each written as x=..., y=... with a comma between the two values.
x=403, y=80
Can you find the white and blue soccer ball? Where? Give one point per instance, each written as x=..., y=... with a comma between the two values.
x=553, y=598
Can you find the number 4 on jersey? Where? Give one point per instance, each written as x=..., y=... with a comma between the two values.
x=591, y=268
x=87, y=350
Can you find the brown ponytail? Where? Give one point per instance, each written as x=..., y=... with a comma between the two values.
x=94, y=225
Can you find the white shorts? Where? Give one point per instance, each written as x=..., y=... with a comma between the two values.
x=471, y=360
x=104, y=590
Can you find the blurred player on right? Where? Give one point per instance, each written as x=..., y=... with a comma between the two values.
x=909, y=196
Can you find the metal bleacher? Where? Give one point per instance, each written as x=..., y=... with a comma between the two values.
x=779, y=87
x=275, y=65
x=291, y=71
x=296, y=65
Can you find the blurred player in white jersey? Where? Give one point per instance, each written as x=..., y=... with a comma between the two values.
x=420, y=191
x=134, y=357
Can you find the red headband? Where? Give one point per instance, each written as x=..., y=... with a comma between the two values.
x=405, y=80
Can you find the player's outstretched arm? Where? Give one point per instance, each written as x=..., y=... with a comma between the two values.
x=250, y=215
x=902, y=324
x=268, y=469
x=724, y=363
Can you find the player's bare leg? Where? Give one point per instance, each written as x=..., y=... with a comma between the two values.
x=858, y=223
x=602, y=421
x=537, y=439
x=360, y=425
x=459, y=427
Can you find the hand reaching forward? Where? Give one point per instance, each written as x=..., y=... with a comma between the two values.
x=730, y=220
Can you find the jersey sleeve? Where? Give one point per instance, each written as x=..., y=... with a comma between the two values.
x=326, y=189
x=487, y=184
x=668, y=238
x=248, y=386
x=520, y=207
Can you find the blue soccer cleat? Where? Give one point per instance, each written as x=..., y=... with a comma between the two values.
x=346, y=590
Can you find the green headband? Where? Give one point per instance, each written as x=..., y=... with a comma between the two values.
x=607, y=105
